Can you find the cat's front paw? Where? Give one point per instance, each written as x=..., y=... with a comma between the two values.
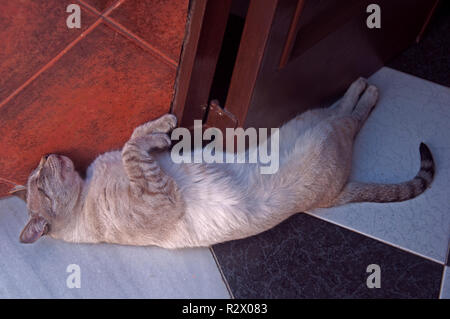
x=166, y=123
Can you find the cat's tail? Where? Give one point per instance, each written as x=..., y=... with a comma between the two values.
x=385, y=193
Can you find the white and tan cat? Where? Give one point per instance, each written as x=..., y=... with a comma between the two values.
x=138, y=196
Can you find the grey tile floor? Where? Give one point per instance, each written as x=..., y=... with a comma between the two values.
x=106, y=271
x=410, y=110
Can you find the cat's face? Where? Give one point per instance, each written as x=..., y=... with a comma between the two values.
x=52, y=192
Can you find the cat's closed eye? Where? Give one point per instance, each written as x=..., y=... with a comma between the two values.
x=41, y=190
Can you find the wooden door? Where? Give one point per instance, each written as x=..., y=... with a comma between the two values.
x=293, y=55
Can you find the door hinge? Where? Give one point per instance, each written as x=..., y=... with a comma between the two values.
x=219, y=117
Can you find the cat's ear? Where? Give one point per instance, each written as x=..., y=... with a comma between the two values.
x=19, y=191
x=36, y=227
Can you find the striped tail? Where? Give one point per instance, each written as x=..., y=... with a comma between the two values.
x=386, y=193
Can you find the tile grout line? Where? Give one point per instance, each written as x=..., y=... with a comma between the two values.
x=441, y=288
x=105, y=12
x=141, y=42
x=446, y=267
x=377, y=239
x=129, y=34
x=51, y=62
x=224, y=279
x=89, y=7
x=111, y=8
x=447, y=256
x=4, y=180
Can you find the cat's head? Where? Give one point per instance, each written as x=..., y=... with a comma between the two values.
x=52, y=192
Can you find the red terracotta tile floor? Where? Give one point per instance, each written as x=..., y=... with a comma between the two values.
x=80, y=92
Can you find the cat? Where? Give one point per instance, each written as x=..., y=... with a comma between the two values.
x=139, y=196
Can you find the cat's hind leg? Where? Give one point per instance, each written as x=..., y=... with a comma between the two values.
x=365, y=105
x=302, y=122
x=163, y=124
x=350, y=98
